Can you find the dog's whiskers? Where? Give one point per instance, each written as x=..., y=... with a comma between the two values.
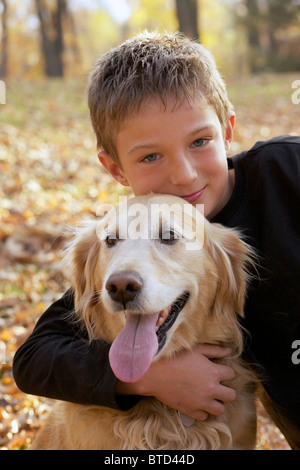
x=97, y=296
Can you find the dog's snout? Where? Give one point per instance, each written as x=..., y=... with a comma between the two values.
x=124, y=286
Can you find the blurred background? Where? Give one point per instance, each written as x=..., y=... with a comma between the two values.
x=58, y=38
x=49, y=173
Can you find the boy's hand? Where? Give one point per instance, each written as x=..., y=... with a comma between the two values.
x=189, y=382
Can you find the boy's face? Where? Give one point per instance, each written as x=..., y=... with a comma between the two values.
x=179, y=150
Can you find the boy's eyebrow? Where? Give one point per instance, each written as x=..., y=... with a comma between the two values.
x=142, y=146
x=149, y=146
x=203, y=128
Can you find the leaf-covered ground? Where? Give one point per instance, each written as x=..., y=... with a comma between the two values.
x=50, y=178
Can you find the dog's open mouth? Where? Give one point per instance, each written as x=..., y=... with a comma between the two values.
x=167, y=318
x=142, y=337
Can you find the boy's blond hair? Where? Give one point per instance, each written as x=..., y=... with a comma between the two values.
x=151, y=65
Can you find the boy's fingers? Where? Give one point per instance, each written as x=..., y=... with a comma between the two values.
x=226, y=394
x=225, y=373
x=216, y=407
x=201, y=415
x=212, y=351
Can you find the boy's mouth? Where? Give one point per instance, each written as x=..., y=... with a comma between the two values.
x=194, y=196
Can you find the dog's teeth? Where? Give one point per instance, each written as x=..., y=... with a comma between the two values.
x=162, y=317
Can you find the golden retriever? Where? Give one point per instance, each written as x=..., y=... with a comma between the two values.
x=152, y=288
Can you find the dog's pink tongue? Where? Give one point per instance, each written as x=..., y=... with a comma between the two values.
x=134, y=348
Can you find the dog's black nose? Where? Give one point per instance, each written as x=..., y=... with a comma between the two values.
x=124, y=286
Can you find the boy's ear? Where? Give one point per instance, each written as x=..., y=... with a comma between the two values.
x=229, y=130
x=112, y=167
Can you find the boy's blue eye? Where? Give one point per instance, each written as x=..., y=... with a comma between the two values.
x=199, y=142
x=151, y=158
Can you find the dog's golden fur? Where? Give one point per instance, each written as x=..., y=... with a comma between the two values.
x=215, y=277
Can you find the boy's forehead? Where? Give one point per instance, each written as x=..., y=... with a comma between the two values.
x=153, y=109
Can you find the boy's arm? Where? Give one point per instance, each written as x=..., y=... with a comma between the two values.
x=56, y=361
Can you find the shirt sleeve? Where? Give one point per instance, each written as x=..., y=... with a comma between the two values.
x=57, y=361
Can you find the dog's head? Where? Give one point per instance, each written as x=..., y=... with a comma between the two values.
x=153, y=277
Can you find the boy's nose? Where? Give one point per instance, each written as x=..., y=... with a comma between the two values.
x=182, y=172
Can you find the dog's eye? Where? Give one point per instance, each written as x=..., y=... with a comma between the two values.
x=168, y=236
x=110, y=241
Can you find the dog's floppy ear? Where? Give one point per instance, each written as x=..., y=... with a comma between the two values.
x=231, y=256
x=79, y=264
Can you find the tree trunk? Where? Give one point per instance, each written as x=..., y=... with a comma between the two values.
x=52, y=43
x=4, y=42
x=253, y=34
x=187, y=14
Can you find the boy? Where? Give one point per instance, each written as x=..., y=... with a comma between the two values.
x=164, y=123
